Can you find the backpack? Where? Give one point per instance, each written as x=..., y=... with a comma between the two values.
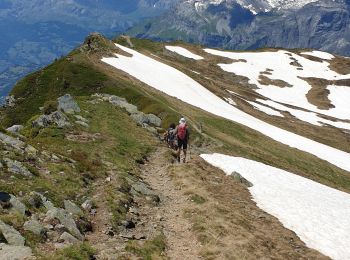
x=181, y=131
x=171, y=135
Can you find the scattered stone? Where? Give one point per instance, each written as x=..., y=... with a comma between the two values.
x=68, y=105
x=12, y=236
x=55, y=158
x=35, y=227
x=237, y=177
x=109, y=232
x=17, y=168
x=10, y=101
x=66, y=220
x=72, y=208
x=84, y=124
x=80, y=118
x=128, y=224
x=17, y=205
x=49, y=227
x=134, y=211
x=15, y=129
x=10, y=252
x=68, y=238
x=58, y=118
x=87, y=205
x=108, y=179
x=142, y=188
x=13, y=142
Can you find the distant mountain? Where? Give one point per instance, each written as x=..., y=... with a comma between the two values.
x=34, y=33
x=244, y=24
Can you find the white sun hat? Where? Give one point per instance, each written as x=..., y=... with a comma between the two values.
x=182, y=120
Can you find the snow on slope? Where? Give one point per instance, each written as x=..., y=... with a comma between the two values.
x=319, y=215
x=319, y=54
x=177, y=84
x=184, y=52
x=279, y=63
x=305, y=116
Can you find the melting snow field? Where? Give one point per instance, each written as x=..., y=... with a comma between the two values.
x=177, y=84
x=184, y=52
x=319, y=215
x=279, y=65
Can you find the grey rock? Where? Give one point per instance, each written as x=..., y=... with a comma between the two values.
x=12, y=236
x=17, y=205
x=12, y=142
x=58, y=118
x=17, y=168
x=10, y=101
x=87, y=205
x=10, y=252
x=82, y=119
x=152, y=130
x=141, y=188
x=15, y=129
x=35, y=227
x=72, y=208
x=65, y=219
x=239, y=178
x=68, y=238
x=67, y=104
x=140, y=118
x=154, y=120
x=84, y=124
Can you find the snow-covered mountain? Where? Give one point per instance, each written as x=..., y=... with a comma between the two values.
x=244, y=24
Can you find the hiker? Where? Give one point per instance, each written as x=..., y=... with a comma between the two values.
x=182, y=135
x=170, y=136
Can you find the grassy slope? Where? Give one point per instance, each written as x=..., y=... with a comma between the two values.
x=86, y=76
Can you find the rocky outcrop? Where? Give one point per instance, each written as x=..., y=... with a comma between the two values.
x=15, y=129
x=35, y=227
x=68, y=105
x=237, y=177
x=56, y=118
x=17, y=168
x=9, y=252
x=145, y=120
x=17, y=205
x=72, y=208
x=12, y=236
x=17, y=145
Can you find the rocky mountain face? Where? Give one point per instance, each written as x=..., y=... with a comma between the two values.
x=244, y=25
x=34, y=33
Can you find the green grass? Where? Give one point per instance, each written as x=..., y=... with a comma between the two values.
x=150, y=249
x=81, y=251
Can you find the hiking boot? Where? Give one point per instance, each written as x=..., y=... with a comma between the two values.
x=178, y=159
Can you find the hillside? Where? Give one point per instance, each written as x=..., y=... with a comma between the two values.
x=267, y=173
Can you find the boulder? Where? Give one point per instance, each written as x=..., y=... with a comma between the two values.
x=239, y=178
x=58, y=118
x=17, y=168
x=72, y=208
x=17, y=205
x=12, y=142
x=10, y=101
x=67, y=104
x=35, y=227
x=154, y=120
x=141, y=188
x=9, y=252
x=68, y=238
x=65, y=219
x=82, y=123
x=82, y=119
x=140, y=118
x=12, y=236
x=15, y=129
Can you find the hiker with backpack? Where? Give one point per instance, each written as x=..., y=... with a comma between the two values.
x=182, y=135
x=170, y=136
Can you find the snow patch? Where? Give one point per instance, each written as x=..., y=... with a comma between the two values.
x=280, y=67
x=320, y=54
x=318, y=214
x=265, y=109
x=177, y=84
x=184, y=52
